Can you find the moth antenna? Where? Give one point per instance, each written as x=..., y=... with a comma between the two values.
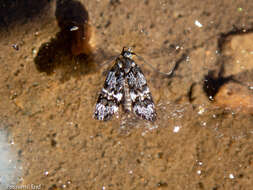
x=169, y=74
x=109, y=61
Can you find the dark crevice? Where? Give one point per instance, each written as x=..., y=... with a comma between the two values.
x=190, y=92
x=213, y=83
x=69, y=49
x=20, y=10
x=224, y=37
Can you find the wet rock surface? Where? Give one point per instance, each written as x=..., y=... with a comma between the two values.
x=202, y=138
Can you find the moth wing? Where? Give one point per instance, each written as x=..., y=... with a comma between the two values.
x=141, y=98
x=111, y=94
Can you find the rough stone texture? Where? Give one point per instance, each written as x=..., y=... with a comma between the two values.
x=48, y=98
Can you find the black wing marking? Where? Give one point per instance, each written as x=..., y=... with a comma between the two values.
x=142, y=102
x=111, y=94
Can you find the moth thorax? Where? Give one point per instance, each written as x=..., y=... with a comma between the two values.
x=127, y=65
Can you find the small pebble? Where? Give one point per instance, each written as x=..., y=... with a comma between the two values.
x=201, y=110
x=46, y=173
x=231, y=176
x=176, y=129
x=198, y=24
x=74, y=28
x=15, y=46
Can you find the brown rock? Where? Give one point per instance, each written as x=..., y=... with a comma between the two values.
x=236, y=97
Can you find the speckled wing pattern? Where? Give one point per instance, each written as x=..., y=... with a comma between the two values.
x=111, y=94
x=125, y=74
x=141, y=98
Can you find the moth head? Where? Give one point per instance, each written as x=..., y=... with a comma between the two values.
x=127, y=52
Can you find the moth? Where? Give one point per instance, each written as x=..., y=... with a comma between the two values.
x=125, y=85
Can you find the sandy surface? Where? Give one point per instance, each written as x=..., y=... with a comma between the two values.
x=48, y=94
